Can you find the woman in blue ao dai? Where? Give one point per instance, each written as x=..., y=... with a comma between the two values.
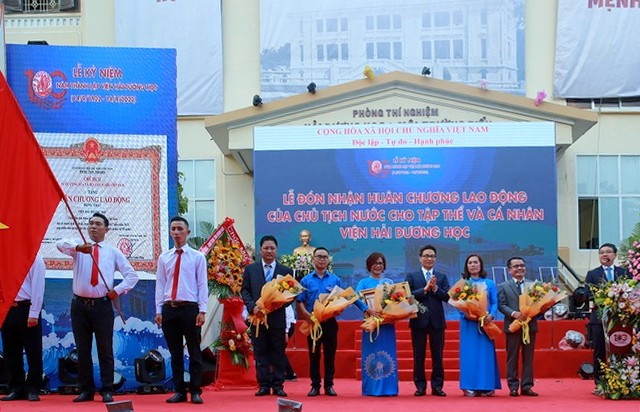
x=379, y=358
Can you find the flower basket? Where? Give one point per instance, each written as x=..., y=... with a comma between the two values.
x=226, y=259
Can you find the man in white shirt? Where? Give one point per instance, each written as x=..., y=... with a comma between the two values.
x=22, y=330
x=94, y=267
x=181, y=304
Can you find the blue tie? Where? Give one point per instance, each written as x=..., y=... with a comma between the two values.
x=268, y=274
x=609, y=273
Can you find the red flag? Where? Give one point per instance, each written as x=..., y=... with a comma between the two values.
x=29, y=195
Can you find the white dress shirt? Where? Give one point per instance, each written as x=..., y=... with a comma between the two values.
x=192, y=280
x=33, y=287
x=110, y=260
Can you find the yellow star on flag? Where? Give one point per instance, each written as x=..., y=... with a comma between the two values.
x=3, y=226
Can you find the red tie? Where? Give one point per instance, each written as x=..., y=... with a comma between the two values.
x=94, y=267
x=176, y=275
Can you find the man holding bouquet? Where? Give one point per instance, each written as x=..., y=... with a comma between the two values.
x=509, y=304
x=269, y=343
x=317, y=282
x=429, y=288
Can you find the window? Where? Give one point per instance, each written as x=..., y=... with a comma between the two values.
x=369, y=23
x=332, y=52
x=483, y=17
x=608, y=199
x=332, y=25
x=344, y=51
x=370, y=51
x=442, y=49
x=426, y=50
x=397, y=21
x=441, y=19
x=320, y=52
x=483, y=49
x=426, y=20
x=458, y=49
x=383, y=22
x=458, y=19
x=384, y=50
x=200, y=188
x=344, y=24
x=320, y=26
x=613, y=103
x=397, y=50
x=41, y=6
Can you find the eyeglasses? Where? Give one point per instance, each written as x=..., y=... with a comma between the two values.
x=517, y=266
x=428, y=256
x=378, y=263
x=322, y=257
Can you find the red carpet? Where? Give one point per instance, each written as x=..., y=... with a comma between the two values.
x=555, y=395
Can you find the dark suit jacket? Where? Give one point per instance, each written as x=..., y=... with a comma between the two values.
x=597, y=276
x=252, y=282
x=509, y=301
x=434, y=316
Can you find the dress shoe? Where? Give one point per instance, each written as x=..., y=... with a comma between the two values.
x=33, y=397
x=196, y=398
x=177, y=397
x=279, y=392
x=292, y=378
x=469, y=393
x=487, y=394
x=84, y=397
x=263, y=392
x=329, y=391
x=438, y=392
x=528, y=392
x=420, y=392
x=13, y=396
x=314, y=392
x=513, y=392
x=107, y=397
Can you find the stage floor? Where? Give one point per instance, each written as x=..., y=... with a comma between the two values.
x=555, y=395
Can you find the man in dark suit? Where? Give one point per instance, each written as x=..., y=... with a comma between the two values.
x=509, y=304
x=430, y=289
x=607, y=271
x=269, y=345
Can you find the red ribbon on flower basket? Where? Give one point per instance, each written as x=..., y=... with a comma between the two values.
x=226, y=226
x=232, y=313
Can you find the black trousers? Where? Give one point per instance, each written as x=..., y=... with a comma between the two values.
x=91, y=317
x=269, y=352
x=327, y=344
x=16, y=338
x=599, y=348
x=288, y=369
x=178, y=326
x=436, y=346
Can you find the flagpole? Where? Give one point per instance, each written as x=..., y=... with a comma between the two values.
x=114, y=301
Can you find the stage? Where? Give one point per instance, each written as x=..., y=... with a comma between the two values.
x=555, y=395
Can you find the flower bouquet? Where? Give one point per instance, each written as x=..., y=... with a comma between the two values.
x=620, y=378
x=538, y=298
x=618, y=302
x=237, y=343
x=276, y=293
x=471, y=299
x=329, y=305
x=392, y=302
x=226, y=259
x=631, y=261
x=302, y=265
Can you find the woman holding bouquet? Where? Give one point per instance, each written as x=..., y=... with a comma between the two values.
x=479, y=374
x=379, y=359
